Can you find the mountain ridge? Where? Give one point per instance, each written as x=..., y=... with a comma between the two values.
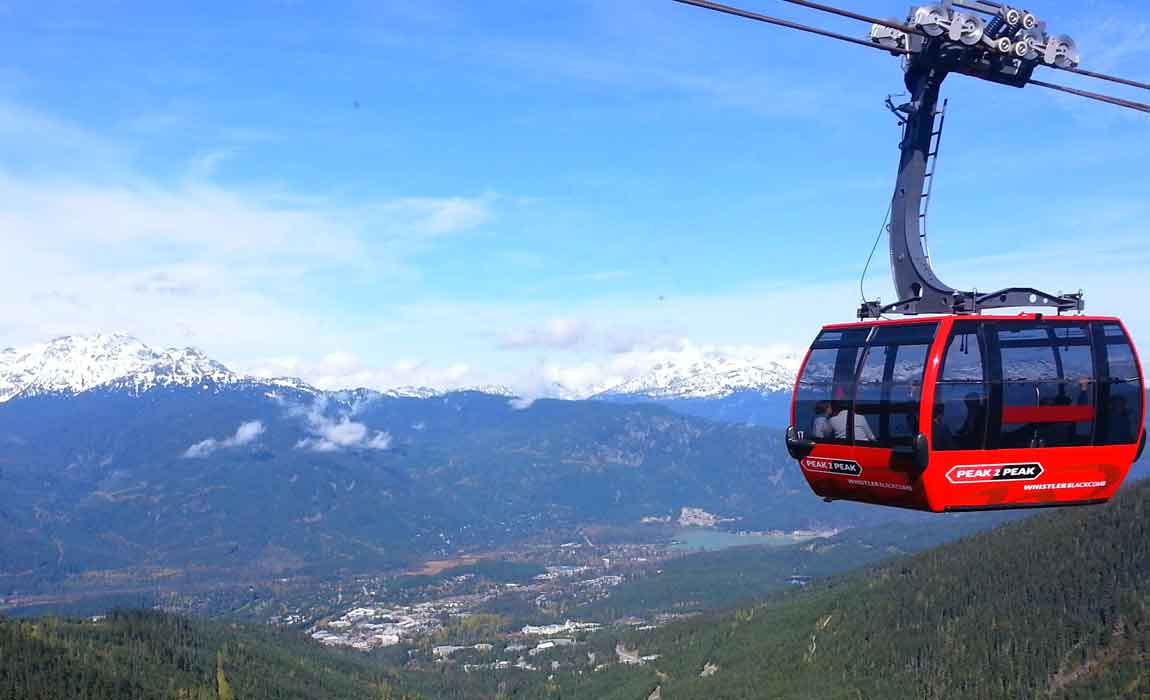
x=74, y=364
x=712, y=375
x=177, y=476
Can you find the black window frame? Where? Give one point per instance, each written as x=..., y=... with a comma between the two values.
x=921, y=334
x=861, y=339
x=1104, y=421
x=1042, y=436
x=994, y=387
x=966, y=328
x=851, y=338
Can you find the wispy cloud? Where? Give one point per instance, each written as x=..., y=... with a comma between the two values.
x=341, y=369
x=46, y=145
x=568, y=333
x=557, y=333
x=246, y=434
x=333, y=434
x=205, y=165
x=183, y=259
x=438, y=216
x=214, y=222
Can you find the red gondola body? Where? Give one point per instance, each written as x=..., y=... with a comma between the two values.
x=969, y=412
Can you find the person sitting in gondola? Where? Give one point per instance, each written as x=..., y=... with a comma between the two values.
x=941, y=436
x=1120, y=428
x=970, y=433
x=1085, y=393
x=840, y=419
x=821, y=427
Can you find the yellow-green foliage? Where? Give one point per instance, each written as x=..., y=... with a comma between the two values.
x=473, y=627
x=223, y=688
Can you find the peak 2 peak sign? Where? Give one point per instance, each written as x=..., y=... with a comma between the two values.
x=831, y=466
x=979, y=473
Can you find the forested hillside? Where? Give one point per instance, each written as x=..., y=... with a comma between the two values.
x=1055, y=606
x=140, y=655
x=724, y=579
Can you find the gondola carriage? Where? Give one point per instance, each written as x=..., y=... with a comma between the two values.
x=969, y=413
x=952, y=408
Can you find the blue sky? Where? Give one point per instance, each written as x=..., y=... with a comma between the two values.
x=521, y=192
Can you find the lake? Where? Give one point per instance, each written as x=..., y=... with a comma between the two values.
x=699, y=539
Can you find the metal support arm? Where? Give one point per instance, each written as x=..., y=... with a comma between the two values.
x=918, y=289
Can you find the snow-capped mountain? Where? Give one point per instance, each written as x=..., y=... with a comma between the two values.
x=79, y=363
x=427, y=392
x=712, y=375
x=73, y=364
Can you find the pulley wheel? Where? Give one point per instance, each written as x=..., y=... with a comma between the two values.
x=932, y=19
x=971, y=29
x=1062, y=52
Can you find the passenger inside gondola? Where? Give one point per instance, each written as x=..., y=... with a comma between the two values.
x=821, y=427
x=941, y=436
x=971, y=433
x=840, y=421
x=1120, y=428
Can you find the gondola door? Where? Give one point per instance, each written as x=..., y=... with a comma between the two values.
x=858, y=412
x=1031, y=412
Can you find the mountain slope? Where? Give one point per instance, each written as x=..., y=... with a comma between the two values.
x=1055, y=606
x=283, y=480
x=769, y=408
x=143, y=655
x=720, y=580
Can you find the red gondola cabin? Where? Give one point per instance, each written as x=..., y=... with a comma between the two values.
x=969, y=412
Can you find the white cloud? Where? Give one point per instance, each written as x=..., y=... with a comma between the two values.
x=557, y=333
x=183, y=260
x=433, y=217
x=246, y=434
x=234, y=270
x=216, y=222
x=571, y=378
x=566, y=333
x=330, y=434
x=597, y=342
x=345, y=370
x=205, y=165
x=577, y=380
x=201, y=449
x=47, y=144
